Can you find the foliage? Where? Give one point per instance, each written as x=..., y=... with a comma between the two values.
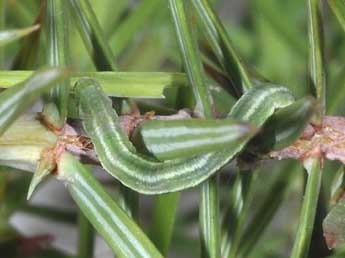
x=169, y=98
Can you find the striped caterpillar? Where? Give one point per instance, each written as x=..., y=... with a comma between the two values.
x=119, y=157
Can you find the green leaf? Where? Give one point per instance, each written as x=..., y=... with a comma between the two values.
x=121, y=233
x=139, y=85
x=170, y=139
x=181, y=13
x=24, y=142
x=9, y=36
x=209, y=227
x=44, y=168
x=116, y=84
x=92, y=35
x=28, y=130
x=56, y=101
x=24, y=157
x=18, y=98
x=219, y=40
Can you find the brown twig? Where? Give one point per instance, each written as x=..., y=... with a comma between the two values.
x=326, y=142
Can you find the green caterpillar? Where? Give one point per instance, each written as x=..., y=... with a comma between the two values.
x=171, y=139
x=118, y=156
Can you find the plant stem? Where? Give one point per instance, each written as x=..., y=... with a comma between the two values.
x=223, y=48
x=307, y=217
x=86, y=237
